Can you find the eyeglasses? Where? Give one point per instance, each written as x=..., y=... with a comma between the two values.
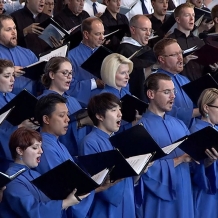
x=169, y=91
x=66, y=73
x=148, y=30
x=209, y=105
x=175, y=54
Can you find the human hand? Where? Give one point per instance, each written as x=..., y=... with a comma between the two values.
x=99, y=83
x=212, y=157
x=18, y=71
x=189, y=58
x=55, y=42
x=33, y=28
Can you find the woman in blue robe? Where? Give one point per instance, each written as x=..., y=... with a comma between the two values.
x=6, y=129
x=21, y=198
x=57, y=79
x=205, y=182
x=52, y=115
x=118, y=200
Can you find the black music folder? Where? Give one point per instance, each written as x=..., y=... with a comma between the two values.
x=137, y=141
x=5, y=179
x=60, y=181
x=206, y=55
x=169, y=24
x=78, y=115
x=196, y=143
x=118, y=30
x=93, y=63
x=121, y=167
x=22, y=107
x=195, y=88
x=129, y=106
x=199, y=12
x=35, y=71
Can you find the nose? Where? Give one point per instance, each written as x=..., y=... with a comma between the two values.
x=118, y=3
x=119, y=113
x=12, y=78
x=127, y=75
x=40, y=150
x=101, y=37
x=67, y=119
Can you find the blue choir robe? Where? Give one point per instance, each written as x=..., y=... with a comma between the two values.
x=74, y=136
x=167, y=189
x=204, y=182
x=6, y=129
x=80, y=87
x=183, y=106
x=118, y=200
x=20, y=57
x=22, y=199
x=55, y=153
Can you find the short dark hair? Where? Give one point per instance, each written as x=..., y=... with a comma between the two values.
x=23, y=137
x=99, y=104
x=4, y=64
x=52, y=65
x=152, y=81
x=4, y=17
x=87, y=23
x=46, y=106
x=160, y=45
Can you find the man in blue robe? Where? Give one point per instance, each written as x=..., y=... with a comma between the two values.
x=52, y=115
x=118, y=200
x=169, y=55
x=21, y=57
x=84, y=84
x=167, y=183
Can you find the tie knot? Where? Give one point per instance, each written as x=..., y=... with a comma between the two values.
x=94, y=4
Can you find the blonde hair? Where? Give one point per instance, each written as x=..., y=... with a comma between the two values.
x=110, y=66
x=208, y=96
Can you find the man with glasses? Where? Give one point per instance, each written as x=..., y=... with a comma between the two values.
x=167, y=184
x=49, y=7
x=143, y=60
x=170, y=59
x=185, y=18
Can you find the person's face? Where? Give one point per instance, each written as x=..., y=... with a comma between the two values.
x=122, y=76
x=76, y=6
x=49, y=7
x=35, y=6
x=212, y=111
x=172, y=59
x=186, y=19
x=8, y=34
x=95, y=37
x=31, y=156
x=62, y=78
x=197, y=3
x=7, y=80
x=111, y=121
x=162, y=100
x=160, y=6
x=1, y=6
x=113, y=5
x=142, y=31
x=57, y=122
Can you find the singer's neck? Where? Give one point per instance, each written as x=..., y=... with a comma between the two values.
x=186, y=32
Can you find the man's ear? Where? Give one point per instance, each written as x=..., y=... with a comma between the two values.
x=86, y=34
x=150, y=94
x=45, y=119
x=160, y=59
x=99, y=117
x=177, y=19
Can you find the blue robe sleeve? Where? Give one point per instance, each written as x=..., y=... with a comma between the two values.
x=21, y=200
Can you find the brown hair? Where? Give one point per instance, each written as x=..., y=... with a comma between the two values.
x=160, y=46
x=4, y=17
x=214, y=12
x=4, y=64
x=23, y=138
x=178, y=9
x=87, y=23
x=52, y=65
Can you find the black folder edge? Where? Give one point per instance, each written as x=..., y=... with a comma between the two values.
x=12, y=104
x=84, y=186
x=201, y=83
x=78, y=115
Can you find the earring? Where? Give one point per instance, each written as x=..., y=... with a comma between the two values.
x=206, y=115
x=20, y=157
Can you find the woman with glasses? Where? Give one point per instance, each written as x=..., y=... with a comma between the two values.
x=57, y=78
x=205, y=183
